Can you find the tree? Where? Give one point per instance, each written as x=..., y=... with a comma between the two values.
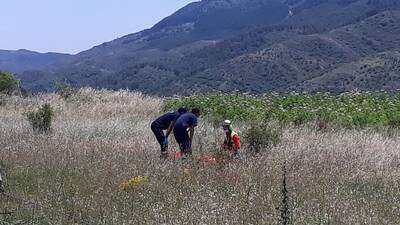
x=8, y=83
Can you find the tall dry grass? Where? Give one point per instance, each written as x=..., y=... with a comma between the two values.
x=101, y=138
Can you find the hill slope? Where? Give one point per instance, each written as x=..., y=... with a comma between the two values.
x=287, y=64
x=380, y=72
x=248, y=45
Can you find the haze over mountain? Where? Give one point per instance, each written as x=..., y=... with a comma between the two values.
x=246, y=45
x=23, y=60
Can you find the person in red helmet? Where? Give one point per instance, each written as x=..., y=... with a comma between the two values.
x=232, y=140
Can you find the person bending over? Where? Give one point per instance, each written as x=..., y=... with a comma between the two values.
x=184, y=131
x=165, y=123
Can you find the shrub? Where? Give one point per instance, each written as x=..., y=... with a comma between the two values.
x=262, y=136
x=360, y=120
x=8, y=83
x=322, y=125
x=323, y=122
x=300, y=118
x=393, y=120
x=66, y=91
x=41, y=119
x=3, y=100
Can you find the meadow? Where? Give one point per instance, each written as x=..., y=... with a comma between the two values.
x=326, y=160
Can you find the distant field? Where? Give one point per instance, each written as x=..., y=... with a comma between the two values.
x=351, y=110
x=340, y=155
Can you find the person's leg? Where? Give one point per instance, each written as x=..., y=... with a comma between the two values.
x=181, y=135
x=158, y=132
x=178, y=136
x=185, y=144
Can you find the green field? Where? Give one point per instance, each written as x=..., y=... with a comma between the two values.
x=347, y=110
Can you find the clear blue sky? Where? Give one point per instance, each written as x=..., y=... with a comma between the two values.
x=71, y=26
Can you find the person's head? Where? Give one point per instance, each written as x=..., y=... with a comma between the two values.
x=196, y=112
x=226, y=125
x=182, y=110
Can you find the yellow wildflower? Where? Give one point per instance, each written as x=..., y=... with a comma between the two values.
x=134, y=182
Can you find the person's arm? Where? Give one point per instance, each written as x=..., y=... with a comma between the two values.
x=170, y=128
x=191, y=131
x=191, y=135
x=194, y=124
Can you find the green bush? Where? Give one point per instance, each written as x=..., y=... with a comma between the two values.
x=394, y=119
x=8, y=83
x=41, y=119
x=301, y=118
x=262, y=136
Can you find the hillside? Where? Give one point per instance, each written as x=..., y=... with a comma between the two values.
x=245, y=45
x=23, y=60
x=380, y=72
x=287, y=64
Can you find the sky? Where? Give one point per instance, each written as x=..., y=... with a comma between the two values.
x=71, y=26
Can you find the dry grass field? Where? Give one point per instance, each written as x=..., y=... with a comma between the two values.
x=100, y=139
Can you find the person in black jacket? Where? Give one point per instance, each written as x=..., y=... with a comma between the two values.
x=165, y=123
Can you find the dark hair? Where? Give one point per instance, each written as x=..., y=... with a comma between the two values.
x=196, y=111
x=182, y=110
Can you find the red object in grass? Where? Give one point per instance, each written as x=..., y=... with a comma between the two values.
x=207, y=159
x=178, y=154
x=175, y=154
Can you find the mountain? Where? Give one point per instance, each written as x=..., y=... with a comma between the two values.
x=380, y=72
x=288, y=65
x=246, y=45
x=23, y=60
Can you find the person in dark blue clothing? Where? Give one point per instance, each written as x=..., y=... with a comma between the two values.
x=165, y=122
x=184, y=130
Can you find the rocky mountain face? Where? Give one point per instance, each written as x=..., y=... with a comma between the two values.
x=246, y=45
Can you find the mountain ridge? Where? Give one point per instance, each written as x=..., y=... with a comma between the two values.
x=18, y=61
x=226, y=45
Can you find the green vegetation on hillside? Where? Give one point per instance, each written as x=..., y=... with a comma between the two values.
x=348, y=109
x=8, y=83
